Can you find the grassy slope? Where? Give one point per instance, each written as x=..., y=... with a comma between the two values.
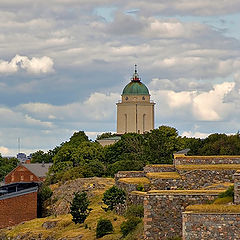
x=66, y=228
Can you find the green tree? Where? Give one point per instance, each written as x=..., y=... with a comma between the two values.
x=44, y=193
x=79, y=207
x=7, y=165
x=104, y=227
x=161, y=143
x=40, y=156
x=113, y=196
x=105, y=135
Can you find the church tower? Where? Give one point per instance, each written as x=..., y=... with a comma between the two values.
x=135, y=113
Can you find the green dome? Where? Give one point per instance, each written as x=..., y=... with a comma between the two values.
x=135, y=88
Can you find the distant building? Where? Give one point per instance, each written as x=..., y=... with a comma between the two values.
x=23, y=158
x=33, y=172
x=135, y=113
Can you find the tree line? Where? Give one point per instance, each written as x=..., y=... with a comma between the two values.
x=81, y=157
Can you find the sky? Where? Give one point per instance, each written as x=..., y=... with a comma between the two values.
x=64, y=63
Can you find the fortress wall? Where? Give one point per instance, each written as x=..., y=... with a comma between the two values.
x=129, y=174
x=129, y=187
x=163, y=212
x=207, y=226
x=207, y=160
x=159, y=168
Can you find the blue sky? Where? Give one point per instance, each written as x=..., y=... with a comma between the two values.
x=63, y=65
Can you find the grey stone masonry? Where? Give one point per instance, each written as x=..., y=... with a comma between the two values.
x=237, y=187
x=207, y=160
x=163, y=211
x=207, y=226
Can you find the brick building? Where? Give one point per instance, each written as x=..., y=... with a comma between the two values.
x=18, y=203
x=33, y=172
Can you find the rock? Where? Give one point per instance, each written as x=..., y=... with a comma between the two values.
x=49, y=224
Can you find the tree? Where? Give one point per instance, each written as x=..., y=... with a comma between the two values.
x=40, y=156
x=113, y=196
x=79, y=207
x=161, y=143
x=104, y=227
x=44, y=193
x=7, y=165
x=105, y=135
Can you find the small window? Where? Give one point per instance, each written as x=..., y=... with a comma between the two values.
x=126, y=98
x=143, y=98
x=22, y=178
x=12, y=178
x=31, y=177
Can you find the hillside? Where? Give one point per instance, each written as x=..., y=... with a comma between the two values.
x=59, y=225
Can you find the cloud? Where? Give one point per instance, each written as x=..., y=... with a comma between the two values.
x=195, y=134
x=33, y=66
x=4, y=150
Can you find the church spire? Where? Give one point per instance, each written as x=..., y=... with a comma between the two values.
x=135, y=77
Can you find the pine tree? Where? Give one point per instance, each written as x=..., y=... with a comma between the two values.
x=79, y=207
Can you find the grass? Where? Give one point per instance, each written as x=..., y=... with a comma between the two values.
x=160, y=165
x=219, y=186
x=214, y=208
x=209, y=167
x=136, y=234
x=137, y=180
x=214, y=156
x=223, y=200
x=138, y=192
x=164, y=175
x=185, y=192
x=66, y=228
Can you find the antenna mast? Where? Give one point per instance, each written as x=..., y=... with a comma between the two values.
x=19, y=145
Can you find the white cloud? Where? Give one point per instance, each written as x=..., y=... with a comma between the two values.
x=34, y=65
x=194, y=134
x=4, y=150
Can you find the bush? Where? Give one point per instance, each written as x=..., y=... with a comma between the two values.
x=113, y=196
x=129, y=225
x=135, y=211
x=79, y=207
x=44, y=193
x=140, y=187
x=104, y=227
x=228, y=193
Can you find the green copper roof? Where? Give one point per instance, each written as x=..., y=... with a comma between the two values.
x=135, y=88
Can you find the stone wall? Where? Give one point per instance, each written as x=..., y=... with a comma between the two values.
x=129, y=174
x=159, y=168
x=163, y=211
x=207, y=160
x=136, y=198
x=129, y=187
x=237, y=187
x=207, y=226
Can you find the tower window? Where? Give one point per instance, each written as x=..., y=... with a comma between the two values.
x=126, y=98
x=143, y=98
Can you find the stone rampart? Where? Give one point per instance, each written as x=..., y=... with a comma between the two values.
x=129, y=174
x=136, y=198
x=206, y=160
x=163, y=211
x=159, y=168
x=237, y=187
x=205, y=226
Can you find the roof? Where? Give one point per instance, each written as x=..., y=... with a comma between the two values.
x=135, y=88
x=39, y=169
x=115, y=138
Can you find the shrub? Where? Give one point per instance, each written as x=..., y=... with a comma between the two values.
x=44, y=193
x=104, y=227
x=113, y=196
x=140, y=187
x=129, y=225
x=135, y=211
x=228, y=193
x=79, y=207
